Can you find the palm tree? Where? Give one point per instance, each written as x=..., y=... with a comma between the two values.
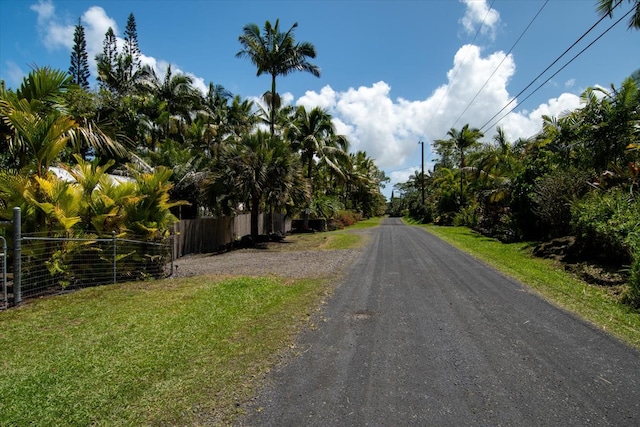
x=313, y=135
x=38, y=124
x=365, y=180
x=252, y=169
x=610, y=120
x=464, y=139
x=277, y=54
x=215, y=118
x=241, y=118
x=176, y=95
x=605, y=7
x=495, y=166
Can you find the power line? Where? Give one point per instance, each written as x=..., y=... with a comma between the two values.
x=547, y=69
x=501, y=62
x=561, y=68
x=457, y=70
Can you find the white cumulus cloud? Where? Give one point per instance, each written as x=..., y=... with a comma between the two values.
x=479, y=15
x=96, y=23
x=53, y=32
x=389, y=129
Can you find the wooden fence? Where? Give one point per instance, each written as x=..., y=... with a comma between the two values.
x=207, y=235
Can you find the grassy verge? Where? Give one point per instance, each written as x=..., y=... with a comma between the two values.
x=331, y=240
x=593, y=303
x=170, y=352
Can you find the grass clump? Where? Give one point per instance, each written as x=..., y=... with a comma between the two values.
x=549, y=279
x=330, y=240
x=171, y=352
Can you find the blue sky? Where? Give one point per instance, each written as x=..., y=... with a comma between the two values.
x=393, y=72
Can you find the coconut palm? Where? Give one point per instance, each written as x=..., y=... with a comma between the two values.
x=241, y=117
x=276, y=53
x=214, y=116
x=176, y=96
x=364, y=182
x=464, y=139
x=313, y=134
x=609, y=123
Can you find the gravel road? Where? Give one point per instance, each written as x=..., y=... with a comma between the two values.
x=419, y=333
x=260, y=262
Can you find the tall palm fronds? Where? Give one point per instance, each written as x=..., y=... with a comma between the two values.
x=464, y=139
x=276, y=53
x=606, y=7
x=254, y=169
x=38, y=124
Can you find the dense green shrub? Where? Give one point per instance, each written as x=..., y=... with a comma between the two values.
x=553, y=197
x=605, y=221
x=467, y=217
x=633, y=295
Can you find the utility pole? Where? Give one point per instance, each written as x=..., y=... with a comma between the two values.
x=422, y=176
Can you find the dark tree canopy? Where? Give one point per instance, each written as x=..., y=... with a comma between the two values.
x=79, y=68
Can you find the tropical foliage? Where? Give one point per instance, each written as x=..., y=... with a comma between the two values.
x=276, y=53
x=580, y=175
x=145, y=147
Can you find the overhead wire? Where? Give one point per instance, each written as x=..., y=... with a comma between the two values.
x=558, y=71
x=501, y=62
x=458, y=69
x=484, y=126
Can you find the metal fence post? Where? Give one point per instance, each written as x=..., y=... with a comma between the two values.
x=4, y=271
x=115, y=253
x=17, y=256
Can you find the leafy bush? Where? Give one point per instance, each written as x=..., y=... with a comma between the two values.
x=605, y=223
x=421, y=213
x=553, y=196
x=347, y=218
x=633, y=295
x=467, y=217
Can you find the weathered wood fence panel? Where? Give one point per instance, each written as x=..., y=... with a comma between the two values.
x=206, y=235
x=202, y=235
x=242, y=225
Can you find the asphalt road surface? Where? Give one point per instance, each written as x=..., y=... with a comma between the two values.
x=421, y=334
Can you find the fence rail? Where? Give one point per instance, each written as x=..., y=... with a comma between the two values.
x=45, y=265
x=55, y=264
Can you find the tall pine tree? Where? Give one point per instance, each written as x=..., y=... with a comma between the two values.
x=79, y=68
x=110, y=47
x=131, y=49
x=106, y=61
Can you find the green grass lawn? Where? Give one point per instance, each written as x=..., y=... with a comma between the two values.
x=593, y=303
x=191, y=351
x=169, y=352
x=338, y=239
